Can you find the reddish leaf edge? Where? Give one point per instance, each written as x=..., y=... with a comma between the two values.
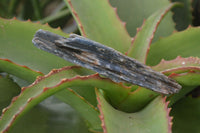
x=45, y=89
x=101, y=116
x=23, y=66
x=77, y=19
x=169, y=118
x=174, y=75
x=184, y=65
x=92, y=76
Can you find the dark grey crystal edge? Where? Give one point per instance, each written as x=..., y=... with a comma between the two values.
x=104, y=60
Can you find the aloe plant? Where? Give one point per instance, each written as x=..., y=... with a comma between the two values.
x=57, y=96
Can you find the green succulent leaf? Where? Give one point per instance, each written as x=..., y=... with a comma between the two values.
x=154, y=118
x=20, y=71
x=17, y=46
x=184, y=44
x=144, y=37
x=186, y=114
x=98, y=21
x=134, y=12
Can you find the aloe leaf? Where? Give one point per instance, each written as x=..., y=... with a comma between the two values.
x=154, y=118
x=21, y=71
x=98, y=21
x=134, y=12
x=20, y=49
x=184, y=43
x=186, y=114
x=26, y=73
x=8, y=89
x=141, y=44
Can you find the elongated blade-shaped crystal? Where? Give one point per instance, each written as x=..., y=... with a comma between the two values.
x=104, y=60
